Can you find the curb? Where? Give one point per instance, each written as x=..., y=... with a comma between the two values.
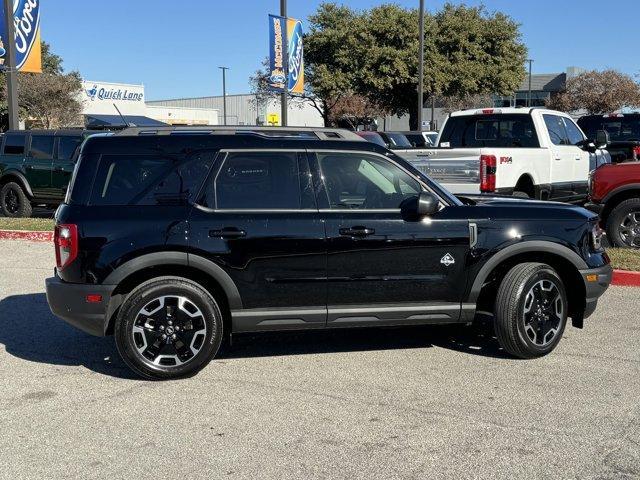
x=625, y=278
x=37, y=236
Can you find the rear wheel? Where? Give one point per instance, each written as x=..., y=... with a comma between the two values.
x=168, y=328
x=13, y=201
x=530, y=310
x=623, y=224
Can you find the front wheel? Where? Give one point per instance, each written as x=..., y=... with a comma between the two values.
x=530, y=310
x=623, y=224
x=168, y=328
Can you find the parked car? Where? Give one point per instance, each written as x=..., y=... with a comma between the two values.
x=530, y=153
x=623, y=130
x=35, y=168
x=171, y=242
x=421, y=139
x=390, y=140
x=614, y=193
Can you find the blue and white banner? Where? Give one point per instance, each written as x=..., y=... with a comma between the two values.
x=277, y=37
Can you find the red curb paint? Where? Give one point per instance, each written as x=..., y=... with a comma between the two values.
x=624, y=278
x=24, y=235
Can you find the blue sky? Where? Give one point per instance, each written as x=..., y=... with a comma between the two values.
x=174, y=47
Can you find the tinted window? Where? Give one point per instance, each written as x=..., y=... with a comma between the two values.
x=476, y=131
x=148, y=180
x=360, y=181
x=573, y=132
x=557, y=132
x=418, y=140
x=14, y=144
x=373, y=138
x=623, y=128
x=259, y=180
x=42, y=146
x=67, y=147
x=397, y=140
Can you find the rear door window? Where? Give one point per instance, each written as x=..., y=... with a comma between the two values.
x=556, y=130
x=42, y=146
x=148, y=180
x=500, y=130
x=67, y=146
x=258, y=181
x=14, y=144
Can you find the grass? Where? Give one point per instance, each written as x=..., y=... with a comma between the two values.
x=624, y=258
x=29, y=224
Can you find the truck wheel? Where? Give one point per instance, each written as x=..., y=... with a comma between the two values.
x=14, y=202
x=531, y=310
x=168, y=328
x=623, y=224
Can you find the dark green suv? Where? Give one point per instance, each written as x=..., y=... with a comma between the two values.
x=35, y=168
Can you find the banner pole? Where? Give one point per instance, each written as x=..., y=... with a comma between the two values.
x=285, y=58
x=10, y=66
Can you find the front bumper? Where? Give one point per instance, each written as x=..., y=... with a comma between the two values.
x=596, y=282
x=69, y=302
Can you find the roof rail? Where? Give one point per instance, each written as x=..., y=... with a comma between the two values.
x=306, y=133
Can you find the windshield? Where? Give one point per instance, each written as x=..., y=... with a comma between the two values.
x=398, y=140
x=625, y=128
x=373, y=137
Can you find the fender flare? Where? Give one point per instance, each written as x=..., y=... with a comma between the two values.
x=623, y=188
x=21, y=179
x=539, y=246
x=183, y=259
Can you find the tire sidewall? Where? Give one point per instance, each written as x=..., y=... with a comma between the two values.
x=615, y=218
x=144, y=294
x=544, y=273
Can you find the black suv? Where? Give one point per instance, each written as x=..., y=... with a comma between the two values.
x=172, y=238
x=35, y=168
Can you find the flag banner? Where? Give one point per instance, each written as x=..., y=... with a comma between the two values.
x=26, y=15
x=295, y=54
x=277, y=34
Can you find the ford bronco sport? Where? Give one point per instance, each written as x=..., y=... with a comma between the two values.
x=172, y=238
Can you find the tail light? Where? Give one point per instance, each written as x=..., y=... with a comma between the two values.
x=636, y=152
x=487, y=173
x=65, y=239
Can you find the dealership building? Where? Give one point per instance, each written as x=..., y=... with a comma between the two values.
x=116, y=105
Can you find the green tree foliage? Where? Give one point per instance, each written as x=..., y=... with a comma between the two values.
x=374, y=53
x=49, y=99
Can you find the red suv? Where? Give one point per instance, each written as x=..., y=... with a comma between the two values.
x=614, y=193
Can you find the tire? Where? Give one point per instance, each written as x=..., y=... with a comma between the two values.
x=521, y=328
x=155, y=309
x=623, y=224
x=520, y=194
x=14, y=202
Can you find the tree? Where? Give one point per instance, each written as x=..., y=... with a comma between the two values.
x=374, y=54
x=597, y=92
x=50, y=98
x=465, y=102
x=354, y=110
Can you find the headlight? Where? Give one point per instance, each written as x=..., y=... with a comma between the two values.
x=596, y=237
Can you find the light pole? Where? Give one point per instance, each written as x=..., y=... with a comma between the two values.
x=285, y=57
x=224, y=94
x=421, y=64
x=10, y=66
x=529, y=97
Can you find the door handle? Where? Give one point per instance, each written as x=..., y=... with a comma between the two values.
x=58, y=169
x=30, y=167
x=227, y=232
x=558, y=159
x=357, y=231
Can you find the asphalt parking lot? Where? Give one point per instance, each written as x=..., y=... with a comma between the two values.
x=428, y=402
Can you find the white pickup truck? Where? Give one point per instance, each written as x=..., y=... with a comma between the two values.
x=526, y=152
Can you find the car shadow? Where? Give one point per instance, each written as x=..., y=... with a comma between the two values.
x=28, y=330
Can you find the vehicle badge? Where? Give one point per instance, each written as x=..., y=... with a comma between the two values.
x=447, y=260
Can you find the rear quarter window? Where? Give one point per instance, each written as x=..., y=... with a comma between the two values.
x=14, y=144
x=148, y=180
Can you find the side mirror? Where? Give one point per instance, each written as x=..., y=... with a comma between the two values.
x=602, y=139
x=424, y=205
x=587, y=145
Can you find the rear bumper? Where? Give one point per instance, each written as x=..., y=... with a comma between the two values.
x=69, y=302
x=596, y=282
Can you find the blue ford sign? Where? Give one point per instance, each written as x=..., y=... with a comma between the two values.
x=26, y=16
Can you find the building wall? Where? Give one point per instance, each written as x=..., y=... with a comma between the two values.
x=99, y=97
x=184, y=115
x=241, y=109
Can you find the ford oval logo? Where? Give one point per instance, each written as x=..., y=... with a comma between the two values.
x=277, y=78
x=26, y=15
x=295, y=56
